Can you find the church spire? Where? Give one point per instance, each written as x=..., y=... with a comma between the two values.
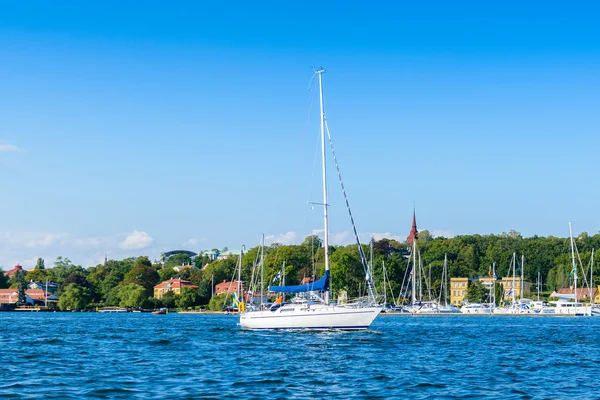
x=412, y=236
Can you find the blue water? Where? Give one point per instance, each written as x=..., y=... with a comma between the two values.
x=77, y=355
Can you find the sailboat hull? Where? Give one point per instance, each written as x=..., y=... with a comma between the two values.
x=314, y=316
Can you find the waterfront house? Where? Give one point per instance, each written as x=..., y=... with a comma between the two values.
x=10, y=296
x=583, y=294
x=11, y=272
x=458, y=290
x=51, y=287
x=230, y=287
x=230, y=253
x=32, y=297
x=180, y=268
x=172, y=285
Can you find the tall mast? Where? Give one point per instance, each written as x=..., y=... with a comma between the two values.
x=414, y=274
x=494, y=283
x=239, y=282
x=421, y=273
x=372, y=268
x=522, y=274
x=262, y=268
x=592, y=279
x=514, y=274
x=429, y=284
x=538, y=285
x=573, y=260
x=384, y=278
x=283, y=280
x=324, y=168
x=445, y=279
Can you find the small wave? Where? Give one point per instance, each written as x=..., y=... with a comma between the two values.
x=110, y=391
x=423, y=385
x=160, y=342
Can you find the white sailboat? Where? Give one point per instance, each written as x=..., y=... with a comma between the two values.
x=564, y=305
x=314, y=310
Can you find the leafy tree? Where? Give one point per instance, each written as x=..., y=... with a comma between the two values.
x=222, y=270
x=201, y=260
x=132, y=296
x=477, y=293
x=113, y=296
x=36, y=274
x=77, y=278
x=499, y=293
x=312, y=243
x=143, y=260
x=144, y=276
x=21, y=285
x=195, y=276
x=3, y=280
x=166, y=273
x=217, y=302
x=60, y=271
x=74, y=298
x=40, y=264
x=204, y=292
x=178, y=259
x=188, y=297
x=168, y=299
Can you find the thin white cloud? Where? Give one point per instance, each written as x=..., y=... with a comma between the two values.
x=193, y=242
x=136, y=240
x=341, y=238
x=45, y=240
x=8, y=147
x=283, y=238
x=387, y=235
x=441, y=232
x=25, y=247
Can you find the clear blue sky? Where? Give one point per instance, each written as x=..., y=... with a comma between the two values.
x=139, y=127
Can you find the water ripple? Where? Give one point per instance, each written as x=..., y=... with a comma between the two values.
x=141, y=356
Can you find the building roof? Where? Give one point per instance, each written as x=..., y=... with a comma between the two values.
x=13, y=271
x=413, y=235
x=174, y=252
x=229, y=287
x=176, y=283
x=227, y=283
x=11, y=295
x=182, y=267
x=582, y=293
x=43, y=284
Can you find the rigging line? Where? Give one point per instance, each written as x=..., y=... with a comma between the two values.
x=312, y=175
x=402, y=291
x=360, y=249
x=305, y=133
x=583, y=271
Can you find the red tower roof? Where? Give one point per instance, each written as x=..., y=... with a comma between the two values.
x=410, y=239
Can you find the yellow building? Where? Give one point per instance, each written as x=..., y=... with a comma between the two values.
x=511, y=286
x=488, y=281
x=172, y=285
x=458, y=290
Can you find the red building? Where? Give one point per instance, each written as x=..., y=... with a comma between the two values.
x=412, y=236
x=13, y=271
x=230, y=287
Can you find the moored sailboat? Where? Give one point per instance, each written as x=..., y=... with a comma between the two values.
x=311, y=308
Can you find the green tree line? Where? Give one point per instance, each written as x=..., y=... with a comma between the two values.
x=130, y=282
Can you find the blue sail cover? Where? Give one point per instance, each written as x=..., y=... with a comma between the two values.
x=321, y=284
